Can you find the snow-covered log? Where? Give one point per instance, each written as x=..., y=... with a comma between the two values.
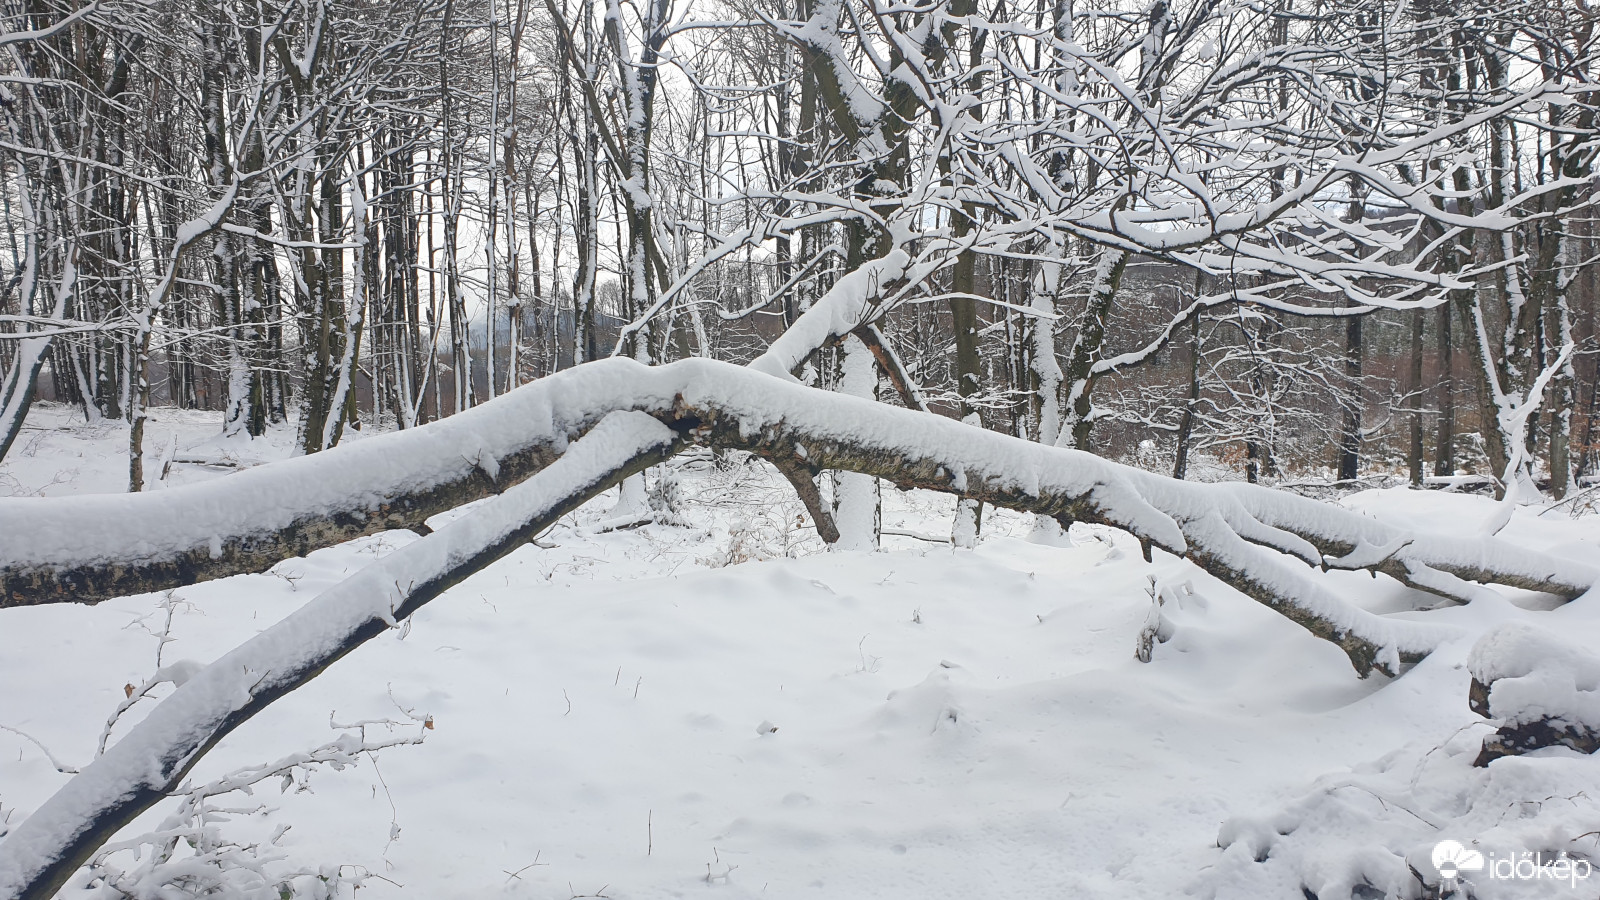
x=91, y=548
x=151, y=760
x=1542, y=692
x=1238, y=533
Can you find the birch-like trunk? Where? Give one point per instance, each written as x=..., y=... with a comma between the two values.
x=857, y=508
x=18, y=385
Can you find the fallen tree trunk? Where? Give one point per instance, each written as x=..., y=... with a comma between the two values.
x=1442, y=565
x=86, y=549
x=799, y=428
x=91, y=548
x=635, y=417
x=1226, y=529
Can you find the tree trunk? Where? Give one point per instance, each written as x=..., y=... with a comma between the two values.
x=1044, y=367
x=1350, y=430
x=1444, y=457
x=18, y=385
x=1088, y=348
x=250, y=521
x=857, y=510
x=1563, y=395
x=1414, y=390
x=1180, y=464
x=969, y=367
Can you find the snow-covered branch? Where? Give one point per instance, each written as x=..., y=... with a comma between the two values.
x=1233, y=530
x=152, y=758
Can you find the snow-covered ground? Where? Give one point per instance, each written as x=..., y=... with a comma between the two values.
x=718, y=708
x=58, y=453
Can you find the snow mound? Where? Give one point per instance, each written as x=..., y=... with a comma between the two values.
x=1385, y=829
x=1533, y=675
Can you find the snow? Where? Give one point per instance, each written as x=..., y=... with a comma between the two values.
x=719, y=708
x=1533, y=674
x=837, y=312
x=1370, y=829
x=59, y=454
x=161, y=747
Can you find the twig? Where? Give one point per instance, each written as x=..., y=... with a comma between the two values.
x=60, y=766
x=517, y=874
x=917, y=535
x=394, y=813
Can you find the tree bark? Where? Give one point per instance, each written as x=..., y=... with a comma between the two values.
x=1180, y=463
x=18, y=384
x=1088, y=348
x=857, y=506
x=1414, y=458
x=1444, y=454
x=1350, y=430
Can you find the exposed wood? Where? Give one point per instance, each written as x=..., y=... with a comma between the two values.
x=890, y=363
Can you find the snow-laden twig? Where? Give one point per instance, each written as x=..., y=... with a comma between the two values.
x=215, y=863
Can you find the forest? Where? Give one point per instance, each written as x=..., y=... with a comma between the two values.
x=1342, y=240
x=1270, y=323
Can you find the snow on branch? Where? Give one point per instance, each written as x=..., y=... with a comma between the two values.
x=1241, y=534
x=87, y=549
